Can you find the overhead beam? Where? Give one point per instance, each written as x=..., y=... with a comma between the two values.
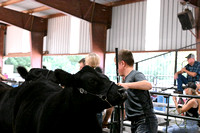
x=25, y=21
x=122, y=2
x=54, y=15
x=84, y=9
x=39, y=9
x=10, y=2
x=43, y=8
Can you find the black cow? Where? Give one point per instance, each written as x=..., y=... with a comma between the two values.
x=36, y=73
x=4, y=87
x=44, y=107
x=7, y=99
x=8, y=95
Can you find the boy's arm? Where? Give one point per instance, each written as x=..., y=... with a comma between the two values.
x=141, y=85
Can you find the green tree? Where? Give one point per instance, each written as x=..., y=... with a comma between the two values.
x=19, y=61
x=68, y=63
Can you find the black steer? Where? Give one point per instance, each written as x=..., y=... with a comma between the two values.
x=43, y=107
x=7, y=99
x=8, y=95
x=36, y=74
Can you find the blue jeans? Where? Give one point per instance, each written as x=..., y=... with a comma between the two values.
x=189, y=127
x=145, y=125
x=181, y=79
x=99, y=118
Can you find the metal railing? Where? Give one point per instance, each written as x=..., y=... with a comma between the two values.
x=167, y=95
x=168, y=78
x=175, y=56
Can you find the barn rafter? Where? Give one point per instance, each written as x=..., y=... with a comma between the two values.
x=33, y=15
x=22, y=20
x=84, y=9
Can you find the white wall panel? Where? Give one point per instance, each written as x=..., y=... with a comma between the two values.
x=17, y=40
x=64, y=37
x=84, y=42
x=171, y=34
x=128, y=27
x=58, y=35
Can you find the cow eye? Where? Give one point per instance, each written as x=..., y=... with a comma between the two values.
x=92, y=82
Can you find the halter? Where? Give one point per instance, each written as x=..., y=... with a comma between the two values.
x=101, y=96
x=47, y=74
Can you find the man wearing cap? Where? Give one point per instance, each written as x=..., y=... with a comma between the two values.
x=193, y=72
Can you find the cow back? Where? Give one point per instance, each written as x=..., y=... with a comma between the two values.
x=30, y=102
x=7, y=99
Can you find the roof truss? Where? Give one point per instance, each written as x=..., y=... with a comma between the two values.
x=84, y=9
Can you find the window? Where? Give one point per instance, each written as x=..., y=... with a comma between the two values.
x=68, y=63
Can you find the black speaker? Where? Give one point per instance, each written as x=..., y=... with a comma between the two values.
x=186, y=19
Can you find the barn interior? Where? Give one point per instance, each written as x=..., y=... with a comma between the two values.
x=58, y=33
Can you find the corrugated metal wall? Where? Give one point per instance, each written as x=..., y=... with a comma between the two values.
x=171, y=34
x=84, y=42
x=128, y=27
x=128, y=31
x=58, y=35
x=17, y=40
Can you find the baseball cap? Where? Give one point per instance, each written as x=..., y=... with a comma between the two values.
x=190, y=56
x=190, y=85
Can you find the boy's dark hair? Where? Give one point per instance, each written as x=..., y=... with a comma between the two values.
x=126, y=56
x=82, y=61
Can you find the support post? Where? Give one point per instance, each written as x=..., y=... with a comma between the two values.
x=2, y=39
x=167, y=123
x=36, y=49
x=197, y=17
x=136, y=66
x=98, y=39
x=175, y=65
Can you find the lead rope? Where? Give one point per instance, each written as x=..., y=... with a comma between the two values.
x=102, y=97
x=47, y=74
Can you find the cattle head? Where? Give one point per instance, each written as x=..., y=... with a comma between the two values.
x=99, y=91
x=36, y=74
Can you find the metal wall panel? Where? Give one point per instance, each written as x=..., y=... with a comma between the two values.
x=84, y=42
x=17, y=40
x=128, y=27
x=171, y=34
x=58, y=35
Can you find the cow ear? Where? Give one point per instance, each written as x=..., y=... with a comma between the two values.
x=22, y=71
x=64, y=78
